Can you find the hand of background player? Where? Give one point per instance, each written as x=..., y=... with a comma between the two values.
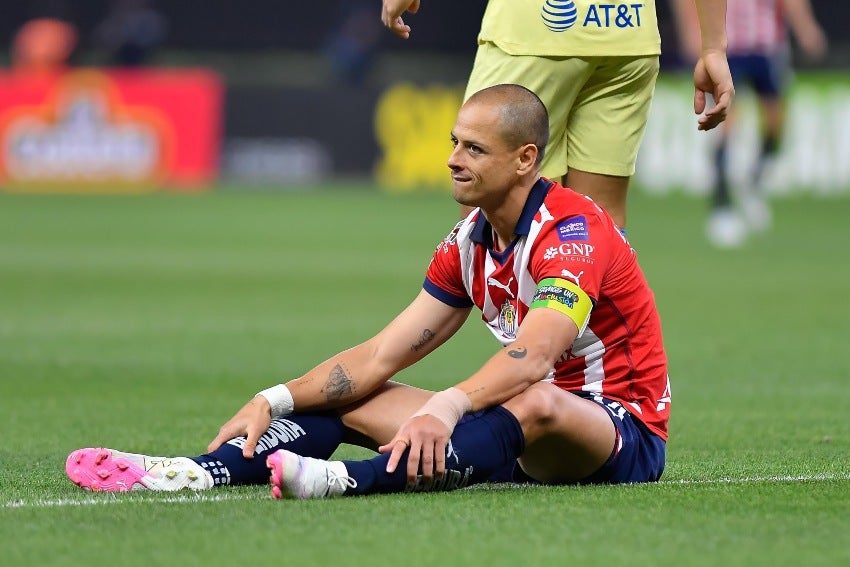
x=712, y=76
x=391, y=15
x=251, y=421
x=427, y=438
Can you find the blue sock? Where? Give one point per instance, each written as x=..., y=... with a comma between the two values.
x=310, y=435
x=482, y=444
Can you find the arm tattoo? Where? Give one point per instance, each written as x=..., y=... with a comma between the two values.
x=518, y=352
x=426, y=337
x=339, y=385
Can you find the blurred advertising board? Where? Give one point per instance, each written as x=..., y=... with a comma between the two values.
x=412, y=125
x=100, y=130
x=814, y=153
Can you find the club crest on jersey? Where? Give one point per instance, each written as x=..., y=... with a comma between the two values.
x=507, y=319
x=574, y=228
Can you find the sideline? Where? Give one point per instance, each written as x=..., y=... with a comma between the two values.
x=196, y=497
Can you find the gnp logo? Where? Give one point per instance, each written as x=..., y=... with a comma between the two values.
x=83, y=133
x=579, y=251
x=561, y=15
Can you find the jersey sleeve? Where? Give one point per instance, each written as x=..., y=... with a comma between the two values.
x=570, y=259
x=444, y=279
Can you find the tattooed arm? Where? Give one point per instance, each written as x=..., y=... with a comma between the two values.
x=354, y=373
x=545, y=334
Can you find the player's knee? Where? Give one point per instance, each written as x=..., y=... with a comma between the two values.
x=536, y=407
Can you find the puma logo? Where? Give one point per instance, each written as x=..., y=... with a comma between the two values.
x=496, y=283
x=572, y=276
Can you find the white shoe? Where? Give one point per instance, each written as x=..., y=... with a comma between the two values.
x=725, y=229
x=294, y=476
x=108, y=470
x=756, y=213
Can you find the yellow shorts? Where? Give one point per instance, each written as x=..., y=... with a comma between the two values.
x=598, y=106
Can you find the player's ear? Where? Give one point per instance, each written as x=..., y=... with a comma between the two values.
x=527, y=158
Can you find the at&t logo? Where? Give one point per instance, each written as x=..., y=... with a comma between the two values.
x=559, y=15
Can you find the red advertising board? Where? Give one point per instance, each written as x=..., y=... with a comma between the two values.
x=95, y=130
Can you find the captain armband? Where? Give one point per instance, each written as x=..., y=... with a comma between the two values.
x=564, y=296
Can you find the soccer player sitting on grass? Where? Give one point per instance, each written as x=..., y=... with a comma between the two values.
x=578, y=393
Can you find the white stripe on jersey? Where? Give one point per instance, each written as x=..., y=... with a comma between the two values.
x=592, y=348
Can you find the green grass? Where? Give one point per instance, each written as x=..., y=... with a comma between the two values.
x=144, y=322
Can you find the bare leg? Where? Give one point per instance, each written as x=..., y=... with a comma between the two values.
x=567, y=437
x=608, y=191
x=375, y=420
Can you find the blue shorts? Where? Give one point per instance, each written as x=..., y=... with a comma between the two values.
x=639, y=454
x=767, y=75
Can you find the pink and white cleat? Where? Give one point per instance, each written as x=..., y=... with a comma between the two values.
x=108, y=470
x=294, y=476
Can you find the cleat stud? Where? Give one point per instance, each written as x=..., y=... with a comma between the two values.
x=122, y=466
x=103, y=473
x=78, y=457
x=170, y=474
x=192, y=475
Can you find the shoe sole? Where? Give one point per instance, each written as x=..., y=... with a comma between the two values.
x=275, y=463
x=96, y=470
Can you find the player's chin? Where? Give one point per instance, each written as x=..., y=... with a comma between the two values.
x=462, y=195
x=462, y=185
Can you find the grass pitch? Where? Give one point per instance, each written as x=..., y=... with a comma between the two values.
x=142, y=323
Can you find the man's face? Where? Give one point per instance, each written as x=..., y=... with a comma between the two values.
x=483, y=167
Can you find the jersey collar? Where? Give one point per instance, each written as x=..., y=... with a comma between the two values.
x=482, y=230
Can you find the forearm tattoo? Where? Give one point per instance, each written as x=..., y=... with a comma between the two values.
x=517, y=352
x=339, y=385
x=426, y=337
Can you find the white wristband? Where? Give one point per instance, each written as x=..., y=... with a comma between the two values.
x=280, y=399
x=448, y=406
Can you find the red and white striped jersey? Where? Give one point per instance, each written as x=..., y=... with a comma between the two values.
x=562, y=234
x=755, y=27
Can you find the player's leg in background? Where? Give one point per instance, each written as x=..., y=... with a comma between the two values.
x=771, y=75
x=605, y=127
x=608, y=191
x=724, y=228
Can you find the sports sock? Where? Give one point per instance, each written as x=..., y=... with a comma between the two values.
x=482, y=443
x=769, y=149
x=720, y=197
x=309, y=435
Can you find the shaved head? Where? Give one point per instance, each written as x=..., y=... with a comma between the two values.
x=524, y=119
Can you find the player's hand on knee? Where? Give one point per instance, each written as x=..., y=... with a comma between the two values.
x=251, y=421
x=426, y=437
